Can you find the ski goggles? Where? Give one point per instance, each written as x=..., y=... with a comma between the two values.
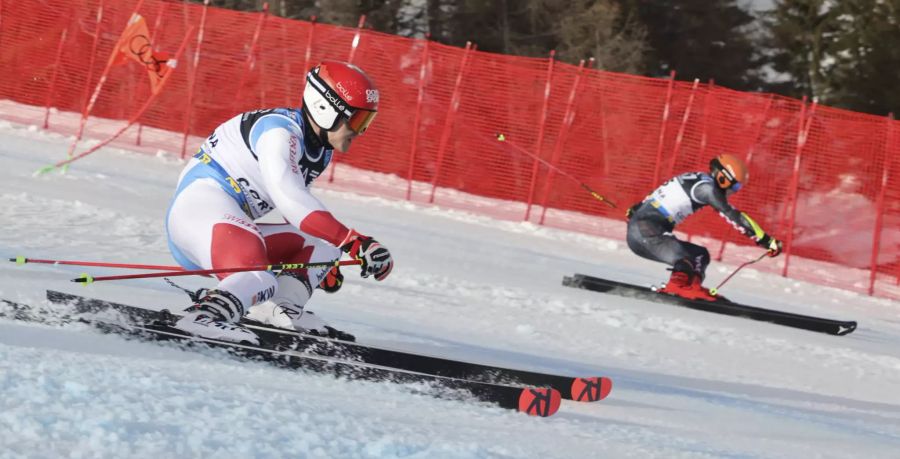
x=359, y=120
x=727, y=181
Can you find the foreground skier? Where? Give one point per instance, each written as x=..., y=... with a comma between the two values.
x=250, y=165
x=652, y=221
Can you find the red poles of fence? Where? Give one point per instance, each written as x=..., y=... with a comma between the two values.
x=707, y=107
x=684, y=121
x=561, y=139
x=353, y=45
x=662, y=129
x=356, y=37
x=802, y=135
x=420, y=98
x=192, y=80
x=156, y=24
x=308, y=53
x=540, y=138
x=448, y=120
x=250, y=62
x=879, y=216
x=52, y=88
x=85, y=106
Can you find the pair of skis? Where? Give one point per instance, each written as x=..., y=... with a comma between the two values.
x=720, y=306
x=533, y=393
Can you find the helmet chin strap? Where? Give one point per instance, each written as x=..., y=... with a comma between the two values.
x=321, y=136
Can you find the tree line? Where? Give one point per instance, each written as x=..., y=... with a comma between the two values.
x=845, y=54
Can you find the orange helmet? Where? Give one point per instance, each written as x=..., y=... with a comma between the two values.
x=729, y=171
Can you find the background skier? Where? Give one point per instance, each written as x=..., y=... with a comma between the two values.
x=652, y=221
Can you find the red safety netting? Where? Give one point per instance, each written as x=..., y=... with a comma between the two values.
x=821, y=178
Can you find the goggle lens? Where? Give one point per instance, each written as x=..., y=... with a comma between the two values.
x=360, y=120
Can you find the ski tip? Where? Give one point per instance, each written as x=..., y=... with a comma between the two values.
x=539, y=401
x=591, y=389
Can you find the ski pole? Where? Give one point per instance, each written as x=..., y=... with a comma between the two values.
x=87, y=279
x=20, y=260
x=502, y=138
x=715, y=291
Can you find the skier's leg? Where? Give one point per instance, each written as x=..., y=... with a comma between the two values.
x=207, y=229
x=287, y=244
x=650, y=240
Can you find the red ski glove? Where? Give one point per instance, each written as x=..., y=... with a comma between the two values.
x=376, y=259
x=333, y=280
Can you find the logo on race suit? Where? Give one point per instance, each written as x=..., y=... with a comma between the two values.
x=344, y=92
x=242, y=222
x=292, y=145
x=263, y=295
x=234, y=185
x=372, y=96
x=261, y=204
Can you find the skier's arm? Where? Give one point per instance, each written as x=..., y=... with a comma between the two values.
x=709, y=193
x=277, y=143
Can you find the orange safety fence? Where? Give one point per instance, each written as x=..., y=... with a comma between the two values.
x=822, y=179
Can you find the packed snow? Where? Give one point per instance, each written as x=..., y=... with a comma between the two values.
x=686, y=383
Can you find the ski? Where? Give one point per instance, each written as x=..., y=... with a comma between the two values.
x=583, y=389
x=720, y=306
x=534, y=401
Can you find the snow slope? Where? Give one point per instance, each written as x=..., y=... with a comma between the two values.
x=687, y=383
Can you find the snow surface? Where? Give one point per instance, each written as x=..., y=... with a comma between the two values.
x=686, y=383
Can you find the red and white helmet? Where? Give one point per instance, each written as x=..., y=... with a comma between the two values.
x=337, y=89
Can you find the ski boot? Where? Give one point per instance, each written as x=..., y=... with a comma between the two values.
x=216, y=316
x=688, y=286
x=293, y=317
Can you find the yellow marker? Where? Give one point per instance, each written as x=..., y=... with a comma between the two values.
x=713, y=291
x=20, y=260
x=88, y=279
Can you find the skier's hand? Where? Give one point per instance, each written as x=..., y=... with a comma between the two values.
x=333, y=280
x=772, y=245
x=376, y=259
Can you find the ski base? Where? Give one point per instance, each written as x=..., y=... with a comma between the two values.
x=720, y=306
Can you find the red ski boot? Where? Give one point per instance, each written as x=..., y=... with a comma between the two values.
x=701, y=291
x=687, y=286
